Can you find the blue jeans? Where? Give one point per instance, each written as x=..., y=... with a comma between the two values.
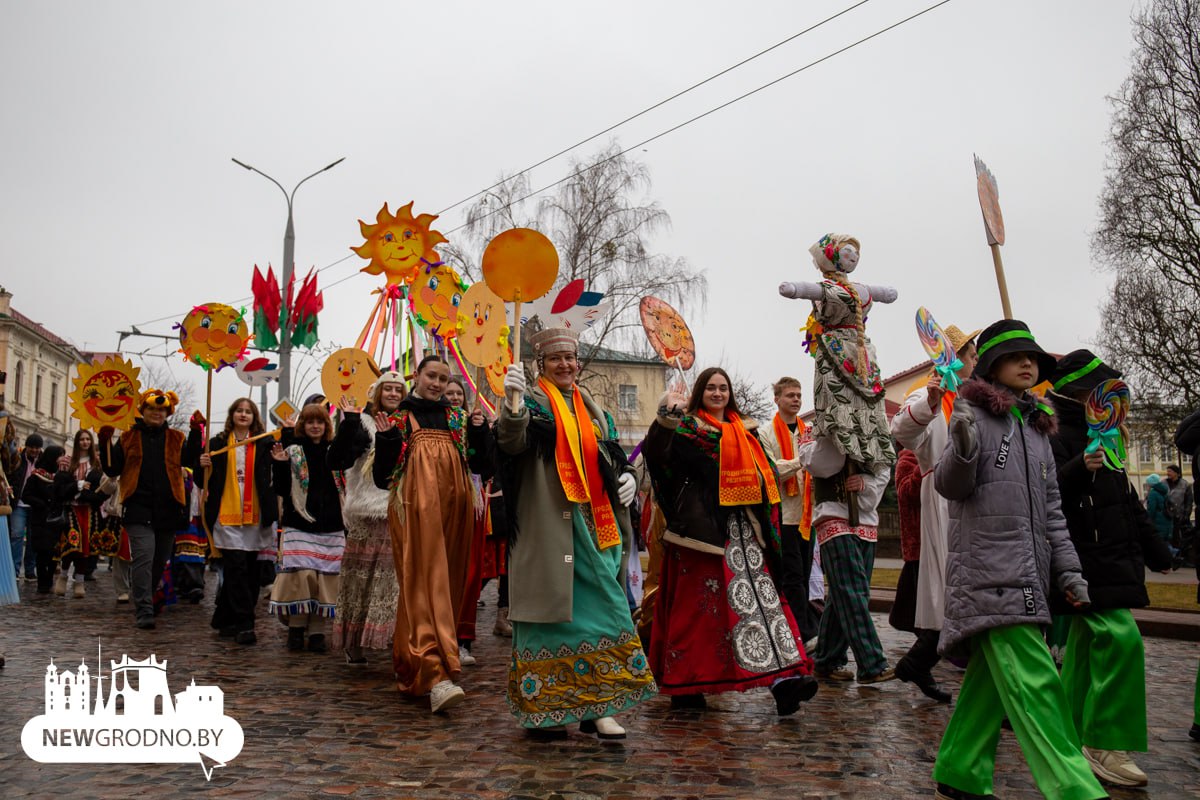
x=18, y=523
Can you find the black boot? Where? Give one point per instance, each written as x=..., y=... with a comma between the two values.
x=923, y=681
x=295, y=640
x=688, y=702
x=789, y=693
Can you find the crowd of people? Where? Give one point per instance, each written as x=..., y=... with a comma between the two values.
x=376, y=528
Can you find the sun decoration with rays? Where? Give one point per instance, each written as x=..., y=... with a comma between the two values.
x=106, y=393
x=399, y=245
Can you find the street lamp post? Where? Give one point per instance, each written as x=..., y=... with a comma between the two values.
x=289, y=244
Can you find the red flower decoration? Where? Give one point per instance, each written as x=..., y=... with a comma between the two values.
x=848, y=365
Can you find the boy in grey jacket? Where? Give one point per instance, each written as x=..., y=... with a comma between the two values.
x=1007, y=539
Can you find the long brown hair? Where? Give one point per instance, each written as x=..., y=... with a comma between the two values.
x=92, y=453
x=256, y=424
x=696, y=401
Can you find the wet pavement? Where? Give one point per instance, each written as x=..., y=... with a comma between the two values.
x=317, y=727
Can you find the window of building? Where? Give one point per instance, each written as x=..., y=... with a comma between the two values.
x=18, y=382
x=54, y=398
x=1145, y=452
x=627, y=398
x=37, y=393
x=1167, y=453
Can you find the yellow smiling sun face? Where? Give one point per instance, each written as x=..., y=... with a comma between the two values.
x=349, y=373
x=436, y=295
x=482, y=328
x=214, y=336
x=398, y=245
x=106, y=394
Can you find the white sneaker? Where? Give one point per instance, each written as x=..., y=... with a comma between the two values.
x=60, y=584
x=1115, y=767
x=444, y=695
x=465, y=658
x=79, y=590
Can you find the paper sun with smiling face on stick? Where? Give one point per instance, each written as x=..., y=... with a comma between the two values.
x=436, y=295
x=106, y=394
x=214, y=336
x=349, y=373
x=399, y=245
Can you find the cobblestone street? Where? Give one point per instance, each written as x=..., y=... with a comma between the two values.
x=315, y=726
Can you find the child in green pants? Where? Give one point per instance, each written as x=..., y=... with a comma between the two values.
x=1007, y=539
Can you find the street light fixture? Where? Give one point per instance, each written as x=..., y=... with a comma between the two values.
x=289, y=245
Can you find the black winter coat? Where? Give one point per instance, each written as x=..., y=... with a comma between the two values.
x=323, y=502
x=42, y=496
x=1187, y=439
x=1113, y=536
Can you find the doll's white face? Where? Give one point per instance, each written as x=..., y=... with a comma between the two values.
x=848, y=258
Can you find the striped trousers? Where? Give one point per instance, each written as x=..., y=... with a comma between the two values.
x=847, y=623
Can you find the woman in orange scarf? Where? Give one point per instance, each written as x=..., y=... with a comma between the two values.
x=240, y=512
x=720, y=624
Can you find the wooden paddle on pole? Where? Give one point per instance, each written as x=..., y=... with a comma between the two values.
x=519, y=265
x=993, y=224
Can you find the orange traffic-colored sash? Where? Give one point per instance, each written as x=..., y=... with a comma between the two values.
x=239, y=504
x=792, y=487
x=742, y=462
x=577, y=456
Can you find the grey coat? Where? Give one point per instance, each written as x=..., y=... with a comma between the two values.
x=541, y=563
x=1007, y=532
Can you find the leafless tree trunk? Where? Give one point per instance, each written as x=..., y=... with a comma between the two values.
x=1149, y=232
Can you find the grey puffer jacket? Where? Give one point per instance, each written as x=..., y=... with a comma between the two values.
x=1007, y=533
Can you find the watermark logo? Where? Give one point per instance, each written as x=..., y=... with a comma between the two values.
x=137, y=722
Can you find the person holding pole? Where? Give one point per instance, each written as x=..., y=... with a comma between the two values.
x=1104, y=664
x=576, y=654
x=148, y=462
x=240, y=512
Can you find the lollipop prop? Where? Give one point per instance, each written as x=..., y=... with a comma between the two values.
x=519, y=265
x=945, y=360
x=1105, y=410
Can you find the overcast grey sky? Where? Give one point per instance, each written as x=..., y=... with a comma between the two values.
x=119, y=204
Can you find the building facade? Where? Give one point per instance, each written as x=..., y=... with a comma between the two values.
x=38, y=366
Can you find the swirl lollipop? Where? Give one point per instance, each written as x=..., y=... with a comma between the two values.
x=1105, y=410
x=939, y=349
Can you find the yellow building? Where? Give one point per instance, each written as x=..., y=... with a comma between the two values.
x=628, y=386
x=38, y=366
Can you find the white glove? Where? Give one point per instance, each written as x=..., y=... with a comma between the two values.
x=514, y=380
x=81, y=484
x=626, y=488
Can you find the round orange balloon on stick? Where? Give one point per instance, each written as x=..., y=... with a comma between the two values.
x=519, y=265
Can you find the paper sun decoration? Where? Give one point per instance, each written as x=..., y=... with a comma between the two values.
x=349, y=373
x=106, y=394
x=437, y=293
x=398, y=246
x=669, y=335
x=482, y=328
x=213, y=336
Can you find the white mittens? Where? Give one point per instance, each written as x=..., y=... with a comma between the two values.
x=626, y=488
x=514, y=380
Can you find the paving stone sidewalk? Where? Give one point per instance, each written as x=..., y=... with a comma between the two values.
x=316, y=727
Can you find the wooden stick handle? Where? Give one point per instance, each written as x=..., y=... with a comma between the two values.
x=1000, y=282
x=515, y=404
x=277, y=433
x=207, y=448
x=679, y=369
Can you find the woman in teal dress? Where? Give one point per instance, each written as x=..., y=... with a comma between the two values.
x=576, y=654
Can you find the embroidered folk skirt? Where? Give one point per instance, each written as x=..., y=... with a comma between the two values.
x=720, y=624
x=590, y=667
x=366, y=604
x=86, y=536
x=309, y=564
x=431, y=529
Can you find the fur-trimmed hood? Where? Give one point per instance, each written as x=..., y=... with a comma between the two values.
x=999, y=401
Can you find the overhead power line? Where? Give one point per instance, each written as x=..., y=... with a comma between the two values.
x=659, y=104
x=646, y=141
x=699, y=117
